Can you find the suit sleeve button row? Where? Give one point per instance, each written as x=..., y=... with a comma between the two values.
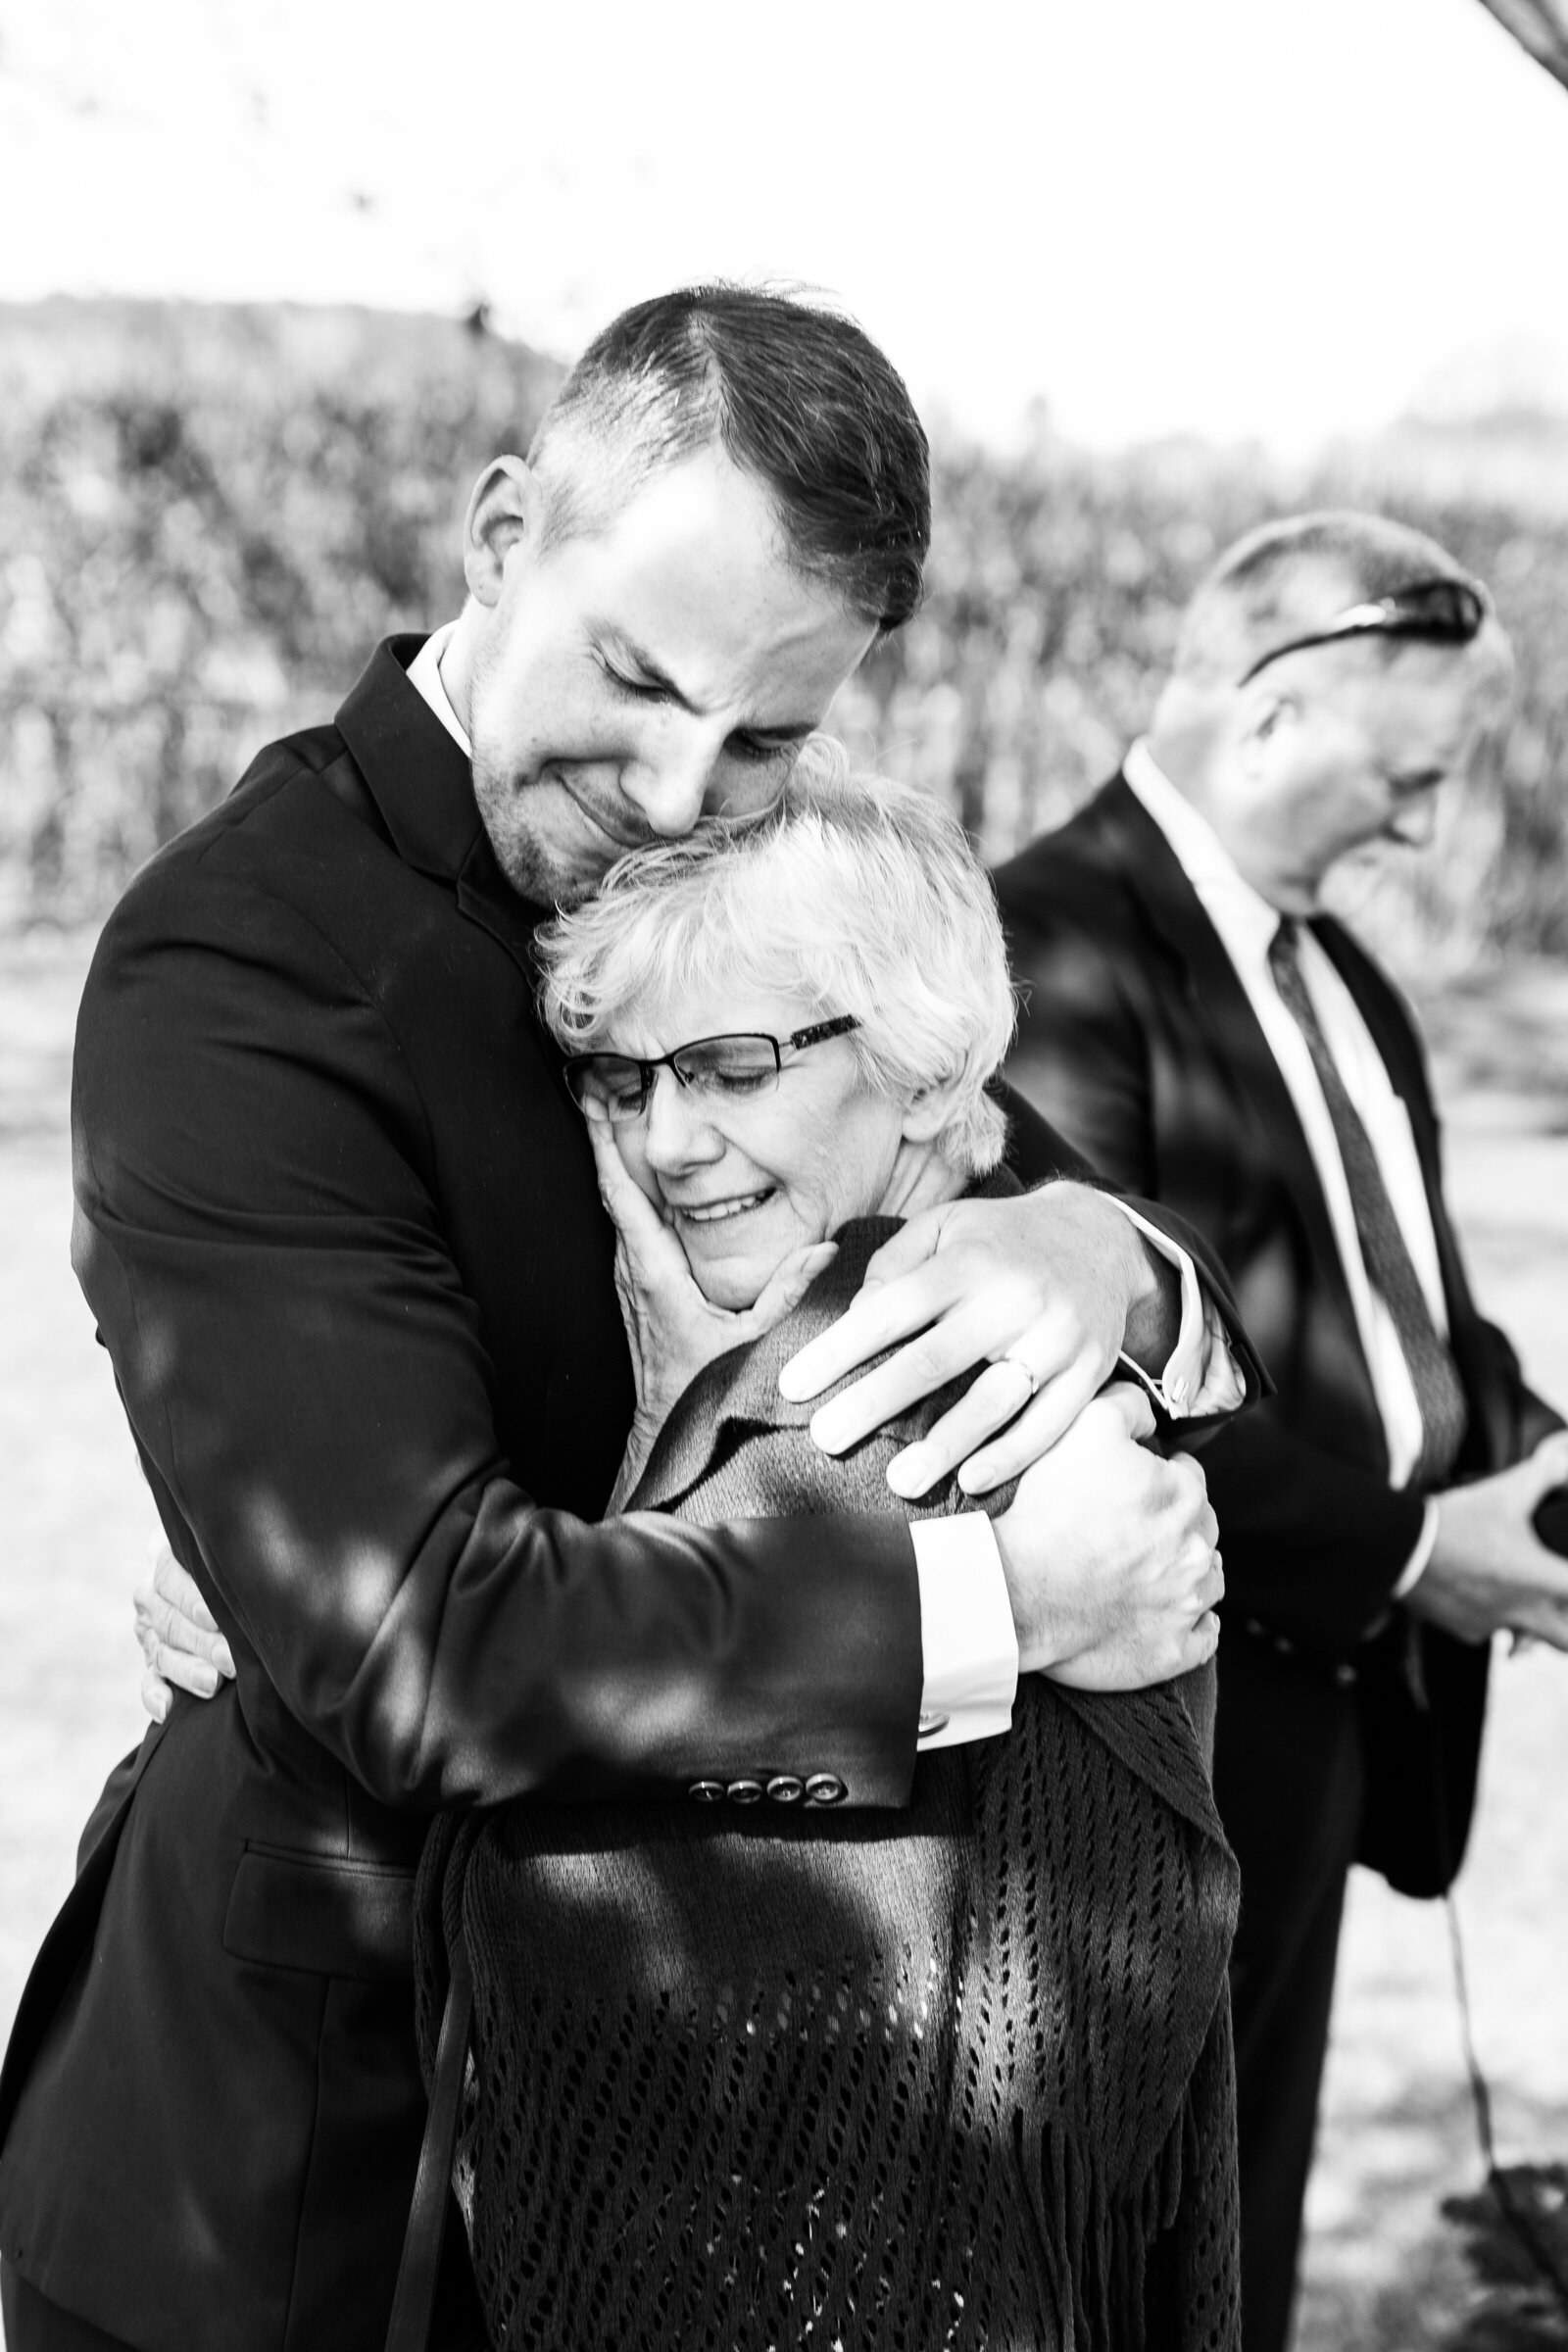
x=784, y=1788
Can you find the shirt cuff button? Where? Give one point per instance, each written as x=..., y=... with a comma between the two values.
x=931, y=1722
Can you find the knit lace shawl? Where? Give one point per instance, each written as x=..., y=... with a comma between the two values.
x=955, y=2076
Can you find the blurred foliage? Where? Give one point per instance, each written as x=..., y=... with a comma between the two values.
x=208, y=518
x=1520, y=2260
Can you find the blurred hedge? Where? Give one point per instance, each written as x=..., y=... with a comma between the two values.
x=208, y=518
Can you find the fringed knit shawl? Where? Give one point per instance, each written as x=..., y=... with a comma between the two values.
x=957, y=2077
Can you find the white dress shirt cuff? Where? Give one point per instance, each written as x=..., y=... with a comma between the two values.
x=967, y=1636
x=1201, y=1375
x=1415, y=1566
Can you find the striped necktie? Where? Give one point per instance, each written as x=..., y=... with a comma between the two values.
x=1390, y=1269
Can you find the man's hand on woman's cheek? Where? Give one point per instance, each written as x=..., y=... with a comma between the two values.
x=180, y=1639
x=1110, y=1555
x=1042, y=1291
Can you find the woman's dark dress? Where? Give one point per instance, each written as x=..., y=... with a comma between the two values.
x=958, y=2076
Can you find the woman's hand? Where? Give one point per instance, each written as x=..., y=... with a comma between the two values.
x=672, y=1329
x=178, y=1636
x=1038, y=1291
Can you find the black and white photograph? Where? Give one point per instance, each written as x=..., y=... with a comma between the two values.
x=784, y=1177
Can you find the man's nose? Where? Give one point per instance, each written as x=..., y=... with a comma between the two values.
x=676, y=1132
x=675, y=782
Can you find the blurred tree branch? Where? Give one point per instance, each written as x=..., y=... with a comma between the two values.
x=1541, y=25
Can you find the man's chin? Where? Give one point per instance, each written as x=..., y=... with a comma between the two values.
x=520, y=817
x=541, y=875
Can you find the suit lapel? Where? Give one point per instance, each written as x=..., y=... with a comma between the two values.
x=1221, y=1006
x=423, y=787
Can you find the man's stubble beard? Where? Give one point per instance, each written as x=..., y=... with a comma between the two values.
x=503, y=805
x=529, y=868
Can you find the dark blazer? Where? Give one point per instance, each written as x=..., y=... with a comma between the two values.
x=1139, y=1037
x=337, y=1221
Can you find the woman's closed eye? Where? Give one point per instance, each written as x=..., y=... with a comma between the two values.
x=732, y=1082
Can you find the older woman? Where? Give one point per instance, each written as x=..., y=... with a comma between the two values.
x=754, y=2073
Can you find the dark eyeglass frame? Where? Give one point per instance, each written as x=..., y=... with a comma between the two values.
x=581, y=1064
x=1443, y=612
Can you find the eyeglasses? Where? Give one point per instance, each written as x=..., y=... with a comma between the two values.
x=1443, y=612
x=734, y=1069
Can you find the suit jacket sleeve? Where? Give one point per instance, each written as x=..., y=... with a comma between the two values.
x=1313, y=1544
x=307, y=1383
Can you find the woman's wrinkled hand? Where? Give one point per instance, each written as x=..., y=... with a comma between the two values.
x=672, y=1329
x=1040, y=1287
x=178, y=1636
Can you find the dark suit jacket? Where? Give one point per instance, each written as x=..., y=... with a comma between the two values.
x=337, y=1220
x=1139, y=1037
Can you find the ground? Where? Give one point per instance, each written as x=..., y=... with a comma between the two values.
x=1386, y=2269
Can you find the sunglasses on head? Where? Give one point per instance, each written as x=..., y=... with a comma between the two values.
x=1439, y=612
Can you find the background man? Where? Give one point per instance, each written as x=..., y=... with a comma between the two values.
x=1211, y=1040
x=338, y=1223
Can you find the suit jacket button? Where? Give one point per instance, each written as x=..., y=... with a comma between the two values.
x=825, y=1789
x=785, y=1789
x=743, y=1793
x=1285, y=1645
x=707, y=1792
x=1344, y=1675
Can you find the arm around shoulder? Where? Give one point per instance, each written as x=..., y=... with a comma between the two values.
x=259, y=1236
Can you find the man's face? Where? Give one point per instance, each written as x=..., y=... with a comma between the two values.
x=1356, y=758
x=632, y=680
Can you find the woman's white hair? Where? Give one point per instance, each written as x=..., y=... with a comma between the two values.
x=859, y=895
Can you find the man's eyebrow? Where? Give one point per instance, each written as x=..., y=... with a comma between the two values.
x=652, y=674
x=1416, y=780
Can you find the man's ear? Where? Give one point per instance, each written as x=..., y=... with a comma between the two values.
x=504, y=509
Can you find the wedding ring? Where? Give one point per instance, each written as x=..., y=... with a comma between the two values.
x=1030, y=1375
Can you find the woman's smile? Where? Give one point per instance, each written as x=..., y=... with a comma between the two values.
x=712, y=1212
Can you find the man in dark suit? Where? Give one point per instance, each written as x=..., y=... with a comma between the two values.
x=1212, y=1041
x=336, y=1218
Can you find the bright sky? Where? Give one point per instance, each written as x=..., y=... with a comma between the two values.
x=1282, y=218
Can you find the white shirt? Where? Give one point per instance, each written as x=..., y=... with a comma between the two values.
x=967, y=1637
x=1247, y=924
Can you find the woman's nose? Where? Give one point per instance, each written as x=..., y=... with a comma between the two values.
x=676, y=1134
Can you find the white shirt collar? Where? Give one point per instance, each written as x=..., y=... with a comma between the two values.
x=1246, y=921
x=424, y=675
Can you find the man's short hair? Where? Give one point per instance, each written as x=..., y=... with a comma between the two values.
x=797, y=395
x=854, y=893
x=1286, y=578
